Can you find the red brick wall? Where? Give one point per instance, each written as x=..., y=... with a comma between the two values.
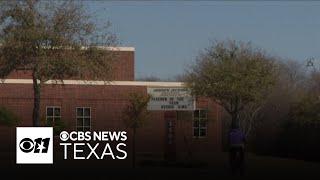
x=107, y=103
x=199, y=147
x=123, y=68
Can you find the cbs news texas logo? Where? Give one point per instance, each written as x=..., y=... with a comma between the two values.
x=34, y=145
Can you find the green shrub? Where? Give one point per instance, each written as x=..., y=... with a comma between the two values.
x=8, y=118
x=301, y=131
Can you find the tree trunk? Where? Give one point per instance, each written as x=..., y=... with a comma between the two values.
x=235, y=123
x=134, y=148
x=36, y=102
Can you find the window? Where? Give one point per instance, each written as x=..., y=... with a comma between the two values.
x=200, y=121
x=83, y=119
x=53, y=115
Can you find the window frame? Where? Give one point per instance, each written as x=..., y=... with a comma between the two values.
x=199, y=127
x=53, y=115
x=83, y=117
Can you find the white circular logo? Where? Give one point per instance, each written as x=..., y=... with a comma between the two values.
x=64, y=136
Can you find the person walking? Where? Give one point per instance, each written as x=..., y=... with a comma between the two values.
x=236, y=149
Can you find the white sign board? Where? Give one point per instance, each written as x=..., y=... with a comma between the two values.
x=171, y=99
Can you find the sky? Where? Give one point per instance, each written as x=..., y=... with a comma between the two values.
x=168, y=35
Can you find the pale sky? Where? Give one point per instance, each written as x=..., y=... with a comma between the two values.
x=168, y=35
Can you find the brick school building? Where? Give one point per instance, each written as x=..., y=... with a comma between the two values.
x=99, y=106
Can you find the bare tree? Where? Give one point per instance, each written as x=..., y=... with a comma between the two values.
x=248, y=118
x=135, y=116
x=53, y=40
x=290, y=81
x=233, y=74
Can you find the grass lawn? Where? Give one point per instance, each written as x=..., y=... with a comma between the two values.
x=258, y=167
x=280, y=167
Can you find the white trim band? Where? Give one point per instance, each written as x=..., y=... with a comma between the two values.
x=115, y=48
x=112, y=83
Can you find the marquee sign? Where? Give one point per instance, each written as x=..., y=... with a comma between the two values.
x=171, y=99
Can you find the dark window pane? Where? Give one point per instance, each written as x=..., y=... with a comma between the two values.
x=196, y=123
x=203, y=123
x=203, y=132
x=86, y=129
x=49, y=111
x=203, y=114
x=56, y=111
x=196, y=132
x=79, y=128
x=86, y=121
x=79, y=121
x=86, y=111
x=196, y=114
x=79, y=111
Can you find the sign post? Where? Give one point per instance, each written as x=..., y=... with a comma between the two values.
x=170, y=100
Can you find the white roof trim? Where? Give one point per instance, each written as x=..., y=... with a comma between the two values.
x=107, y=83
x=117, y=48
x=109, y=48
